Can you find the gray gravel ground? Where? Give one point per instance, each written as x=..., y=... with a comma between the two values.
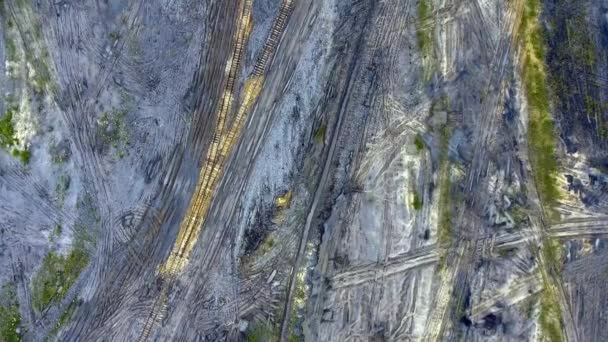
x=329, y=219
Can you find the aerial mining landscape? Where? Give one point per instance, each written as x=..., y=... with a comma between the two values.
x=304, y=170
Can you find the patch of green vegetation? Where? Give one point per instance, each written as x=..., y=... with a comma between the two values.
x=36, y=55
x=541, y=144
x=7, y=130
x=417, y=201
x=267, y=245
x=9, y=314
x=56, y=275
x=319, y=136
x=113, y=131
x=518, y=214
x=550, y=312
x=23, y=155
x=7, y=136
x=263, y=332
x=552, y=253
x=541, y=140
x=550, y=316
x=419, y=143
x=424, y=28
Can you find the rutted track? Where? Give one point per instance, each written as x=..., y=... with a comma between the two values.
x=453, y=281
x=207, y=178
x=221, y=147
x=507, y=296
x=429, y=255
x=320, y=186
x=360, y=274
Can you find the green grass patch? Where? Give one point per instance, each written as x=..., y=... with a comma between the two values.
x=550, y=312
x=417, y=201
x=541, y=139
x=23, y=155
x=424, y=28
x=7, y=136
x=34, y=51
x=263, y=332
x=56, y=275
x=113, y=131
x=550, y=315
x=518, y=214
x=419, y=143
x=7, y=130
x=549, y=319
x=552, y=253
x=10, y=319
x=267, y=245
x=319, y=135
x=541, y=145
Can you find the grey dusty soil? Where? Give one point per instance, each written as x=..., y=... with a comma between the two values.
x=376, y=177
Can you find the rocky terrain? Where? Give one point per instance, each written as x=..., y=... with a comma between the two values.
x=303, y=170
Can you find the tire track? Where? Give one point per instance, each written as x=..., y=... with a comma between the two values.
x=223, y=141
x=327, y=165
x=209, y=174
x=453, y=283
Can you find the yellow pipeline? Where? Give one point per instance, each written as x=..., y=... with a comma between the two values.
x=220, y=147
x=224, y=139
